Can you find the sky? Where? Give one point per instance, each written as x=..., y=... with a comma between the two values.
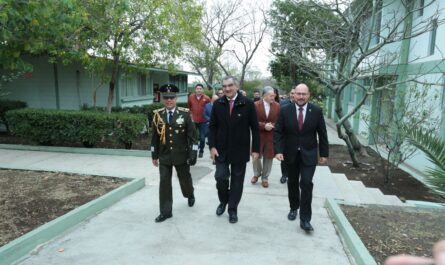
x=262, y=57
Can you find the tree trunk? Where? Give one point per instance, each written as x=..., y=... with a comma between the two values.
x=112, y=83
x=348, y=135
x=110, y=95
x=353, y=138
x=345, y=137
x=241, y=80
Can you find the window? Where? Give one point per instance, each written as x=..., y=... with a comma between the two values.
x=180, y=81
x=367, y=83
x=352, y=95
x=378, y=23
x=433, y=33
x=420, y=8
x=142, y=85
x=443, y=91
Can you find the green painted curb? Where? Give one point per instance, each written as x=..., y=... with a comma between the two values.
x=78, y=150
x=358, y=250
x=21, y=246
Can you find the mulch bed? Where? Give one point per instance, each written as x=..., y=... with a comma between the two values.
x=29, y=199
x=372, y=172
x=391, y=230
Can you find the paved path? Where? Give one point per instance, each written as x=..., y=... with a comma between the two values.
x=126, y=232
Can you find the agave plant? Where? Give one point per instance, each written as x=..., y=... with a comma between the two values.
x=434, y=149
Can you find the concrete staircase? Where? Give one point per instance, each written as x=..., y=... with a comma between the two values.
x=337, y=186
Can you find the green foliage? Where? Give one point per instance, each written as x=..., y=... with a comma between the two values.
x=143, y=32
x=146, y=110
x=6, y=105
x=434, y=149
x=35, y=27
x=63, y=126
x=251, y=85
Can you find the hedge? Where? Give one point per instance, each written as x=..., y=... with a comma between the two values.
x=66, y=126
x=147, y=110
x=6, y=105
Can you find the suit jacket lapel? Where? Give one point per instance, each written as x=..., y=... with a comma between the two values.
x=294, y=118
x=262, y=114
x=308, y=116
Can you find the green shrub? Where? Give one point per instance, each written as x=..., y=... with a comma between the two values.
x=65, y=126
x=6, y=105
x=147, y=110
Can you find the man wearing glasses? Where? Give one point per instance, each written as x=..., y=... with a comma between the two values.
x=295, y=143
x=174, y=143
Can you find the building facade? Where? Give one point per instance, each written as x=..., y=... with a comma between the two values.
x=60, y=86
x=420, y=59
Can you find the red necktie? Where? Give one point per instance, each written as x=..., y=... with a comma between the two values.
x=300, y=118
x=231, y=105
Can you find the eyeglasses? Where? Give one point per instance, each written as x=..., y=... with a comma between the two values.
x=301, y=94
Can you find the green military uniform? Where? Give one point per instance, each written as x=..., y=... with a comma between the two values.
x=174, y=144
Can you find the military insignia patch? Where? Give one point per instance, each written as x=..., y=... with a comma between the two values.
x=180, y=120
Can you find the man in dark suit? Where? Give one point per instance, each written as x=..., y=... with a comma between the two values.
x=174, y=143
x=295, y=142
x=290, y=100
x=232, y=122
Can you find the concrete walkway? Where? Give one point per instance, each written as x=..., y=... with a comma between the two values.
x=127, y=234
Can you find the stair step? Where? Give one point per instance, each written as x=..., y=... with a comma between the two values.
x=324, y=184
x=394, y=200
x=378, y=196
x=362, y=192
x=346, y=190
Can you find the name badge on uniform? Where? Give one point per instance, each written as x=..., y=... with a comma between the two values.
x=180, y=120
x=195, y=147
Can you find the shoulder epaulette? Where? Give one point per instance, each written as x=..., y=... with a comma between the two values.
x=157, y=110
x=183, y=109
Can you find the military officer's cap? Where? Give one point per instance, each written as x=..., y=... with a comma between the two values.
x=169, y=90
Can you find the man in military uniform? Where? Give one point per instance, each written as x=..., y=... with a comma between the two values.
x=174, y=143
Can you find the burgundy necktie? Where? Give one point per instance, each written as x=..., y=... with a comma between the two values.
x=231, y=105
x=300, y=118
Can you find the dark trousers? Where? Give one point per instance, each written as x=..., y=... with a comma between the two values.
x=300, y=186
x=165, y=185
x=283, y=168
x=202, y=129
x=229, y=183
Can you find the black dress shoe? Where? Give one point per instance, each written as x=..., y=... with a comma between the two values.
x=201, y=155
x=292, y=215
x=191, y=201
x=162, y=217
x=233, y=218
x=306, y=226
x=221, y=208
x=283, y=179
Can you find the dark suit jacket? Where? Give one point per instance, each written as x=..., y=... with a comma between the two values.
x=288, y=138
x=231, y=134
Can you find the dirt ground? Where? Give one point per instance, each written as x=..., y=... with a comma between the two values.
x=372, y=171
x=390, y=230
x=29, y=199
